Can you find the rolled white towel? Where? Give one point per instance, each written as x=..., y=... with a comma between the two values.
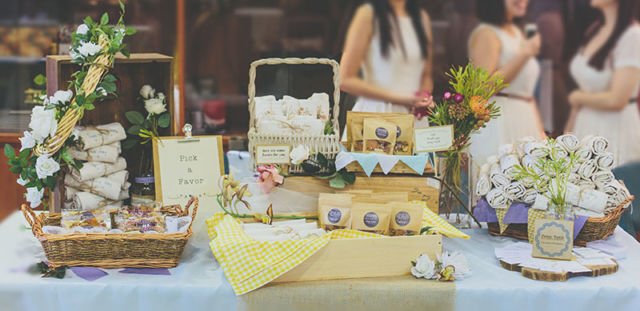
x=593, y=200
x=573, y=194
x=587, y=169
x=602, y=178
x=569, y=142
x=597, y=144
x=494, y=169
x=528, y=182
x=529, y=161
x=496, y=198
x=540, y=203
x=586, y=185
x=505, y=150
x=583, y=154
x=509, y=164
x=514, y=191
x=530, y=196
x=558, y=153
x=521, y=142
x=536, y=149
x=574, y=178
x=484, y=185
x=492, y=160
x=484, y=169
x=499, y=180
x=605, y=161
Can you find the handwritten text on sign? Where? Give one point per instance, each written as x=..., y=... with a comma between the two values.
x=272, y=154
x=435, y=138
x=553, y=239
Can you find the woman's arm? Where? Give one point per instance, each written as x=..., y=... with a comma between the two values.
x=484, y=52
x=616, y=97
x=571, y=121
x=427, y=72
x=355, y=49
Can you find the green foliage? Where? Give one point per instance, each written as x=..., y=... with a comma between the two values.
x=164, y=120
x=40, y=80
x=134, y=117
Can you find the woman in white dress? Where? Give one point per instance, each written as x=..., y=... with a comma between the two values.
x=390, y=41
x=499, y=46
x=607, y=71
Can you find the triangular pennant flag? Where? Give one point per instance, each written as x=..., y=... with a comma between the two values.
x=500, y=212
x=387, y=162
x=368, y=162
x=416, y=162
x=343, y=159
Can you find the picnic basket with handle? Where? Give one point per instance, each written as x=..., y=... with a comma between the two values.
x=327, y=144
x=111, y=250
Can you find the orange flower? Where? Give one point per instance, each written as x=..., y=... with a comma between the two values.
x=478, y=106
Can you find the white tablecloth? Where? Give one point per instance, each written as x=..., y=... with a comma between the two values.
x=199, y=284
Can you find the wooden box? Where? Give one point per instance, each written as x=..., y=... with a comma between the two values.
x=361, y=258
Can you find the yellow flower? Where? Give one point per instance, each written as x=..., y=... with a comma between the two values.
x=478, y=105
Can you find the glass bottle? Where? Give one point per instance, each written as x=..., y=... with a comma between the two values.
x=143, y=188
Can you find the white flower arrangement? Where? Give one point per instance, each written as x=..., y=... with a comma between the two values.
x=447, y=267
x=146, y=128
x=299, y=154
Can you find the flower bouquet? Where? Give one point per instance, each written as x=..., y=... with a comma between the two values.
x=44, y=153
x=468, y=108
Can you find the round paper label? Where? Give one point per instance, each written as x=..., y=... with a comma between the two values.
x=371, y=219
x=334, y=215
x=403, y=218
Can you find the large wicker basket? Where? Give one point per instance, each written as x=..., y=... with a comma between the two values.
x=596, y=228
x=328, y=145
x=110, y=250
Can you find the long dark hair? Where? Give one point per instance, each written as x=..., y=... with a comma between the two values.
x=627, y=14
x=385, y=15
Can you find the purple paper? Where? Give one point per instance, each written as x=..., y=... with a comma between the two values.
x=518, y=213
x=484, y=212
x=578, y=223
x=89, y=273
x=148, y=271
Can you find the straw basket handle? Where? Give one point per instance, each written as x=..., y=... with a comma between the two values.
x=196, y=203
x=296, y=61
x=32, y=219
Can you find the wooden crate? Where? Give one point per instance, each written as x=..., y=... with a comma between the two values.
x=361, y=258
x=419, y=188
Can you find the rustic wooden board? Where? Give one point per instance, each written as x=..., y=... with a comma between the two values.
x=539, y=275
x=417, y=187
x=363, y=258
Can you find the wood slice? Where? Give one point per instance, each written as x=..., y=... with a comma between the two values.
x=540, y=275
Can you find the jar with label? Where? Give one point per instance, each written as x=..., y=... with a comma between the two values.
x=143, y=187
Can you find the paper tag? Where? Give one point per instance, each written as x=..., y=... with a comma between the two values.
x=273, y=154
x=435, y=138
x=553, y=239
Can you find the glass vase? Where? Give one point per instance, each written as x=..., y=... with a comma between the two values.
x=564, y=212
x=454, y=197
x=143, y=188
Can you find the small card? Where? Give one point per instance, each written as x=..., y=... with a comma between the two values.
x=273, y=154
x=553, y=239
x=434, y=138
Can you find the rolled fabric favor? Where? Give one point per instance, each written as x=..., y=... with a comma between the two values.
x=593, y=200
x=493, y=160
x=527, y=182
x=611, y=188
x=586, y=185
x=323, y=105
x=529, y=161
x=93, y=170
x=124, y=194
x=568, y=142
x=597, y=144
x=307, y=125
x=274, y=125
x=508, y=165
x=514, y=191
x=499, y=180
x=105, y=134
x=484, y=169
x=496, y=198
x=521, y=142
x=536, y=149
x=529, y=196
x=101, y=186
x=605, y=161
x=540, y=203
x=105, y=153
x=505, y=150
x=574, y=178
x=266, y=106
x=583, y=154
x=484, y=185
x=69, y=192
x=88, y=201
x=558, y=153
x=602, y=178
x=494, y=169
x=573, y=194
x=587, y=169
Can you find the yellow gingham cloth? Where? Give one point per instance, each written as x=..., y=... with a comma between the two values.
x=534, y=214
x=249, y=264
x=438, y=224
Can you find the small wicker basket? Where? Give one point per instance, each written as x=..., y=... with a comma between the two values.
x=328, y=145
x=596, y=228
x=110, y=250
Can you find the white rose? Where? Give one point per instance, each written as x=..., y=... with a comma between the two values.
x=101, y=91
x=27, y=141
x=89, y=49
x=75, y=133
x=424, y=268
x=61, y=97
x=21, y=181
x=46, y=166
x=458, y=261
x=74, y=55
x=299, y=154
x=34, y=196
x=43, y=123
x=82, y=29
x=161, y=96
x=155, y=106
x=146, y=91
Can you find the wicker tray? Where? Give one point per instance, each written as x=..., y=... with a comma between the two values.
x=328, y=145
x=112, y=250
x=596, y=228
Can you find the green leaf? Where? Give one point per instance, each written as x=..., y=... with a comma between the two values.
x=40, y=80
x=109, y=78
x=125, y=50
x=164, y=120
x=50, y=182
x=88, y=20
x=9, y=151
x=89, y=106
x=349, y=177
x=15, y=169
x=104, y=19
x=322, y=160
x=121, y=6
x=129, y=143
x=337, y=182
x=134, y=118
x=130, y=31
x=134, y=130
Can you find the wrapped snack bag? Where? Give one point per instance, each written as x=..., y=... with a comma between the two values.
x=357, y=142
x=406, y=218
x=404, y=133
x=379, y=136
x=334, y=211
x=86, y=219
x=370, y=217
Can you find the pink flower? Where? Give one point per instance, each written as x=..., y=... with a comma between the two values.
x=269, y=177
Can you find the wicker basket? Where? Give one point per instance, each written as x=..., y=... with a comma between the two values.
x=111, y=250
x=328, y=145
x=596, y=228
